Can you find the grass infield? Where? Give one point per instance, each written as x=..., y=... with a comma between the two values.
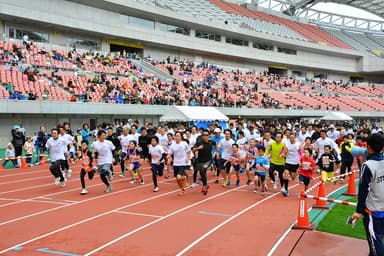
x=335, y=222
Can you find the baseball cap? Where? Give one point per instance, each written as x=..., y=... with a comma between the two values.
x=217, y=130
x=331, y=126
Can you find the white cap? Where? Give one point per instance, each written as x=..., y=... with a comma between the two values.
x=217, y=130
x=331, y=126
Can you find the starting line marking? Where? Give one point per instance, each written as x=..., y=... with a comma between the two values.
x=139, y=214
x=46, y=250
x=216, y=214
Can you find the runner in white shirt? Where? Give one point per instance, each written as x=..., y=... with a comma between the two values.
x=57, y=148
x=242, y=142
x=324, y=140
x=69, y=141
x=191, y=143
x=225, y=165
x=267, y=140
x=125, y=139
x=180, y=153
x=157, y=161
x=332, y=133
x=103, y=154
x=292, y=152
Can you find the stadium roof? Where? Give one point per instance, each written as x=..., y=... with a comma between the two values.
x=186, y=114
x=374, y=6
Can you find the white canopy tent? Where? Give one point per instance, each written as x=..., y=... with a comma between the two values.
x=189, y=114
x=337, y=116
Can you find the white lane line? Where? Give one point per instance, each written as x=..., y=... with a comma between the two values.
x=88, y=219
x=227, y=221
x=139, y=214
x=158, y=220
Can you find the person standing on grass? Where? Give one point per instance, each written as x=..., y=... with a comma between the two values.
x=157, y=161
x=180, y=153
x=86, y=166
x=203, y=148
x=57, y=148
x=103, y=154
x=370, y=203
x=28, y=148
x=10, y=156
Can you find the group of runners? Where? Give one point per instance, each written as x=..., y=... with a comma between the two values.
x=289, y=155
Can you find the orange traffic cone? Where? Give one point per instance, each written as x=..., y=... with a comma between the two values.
x=321, y=193
x=302, y=216
x=23, y=163
x=1, y=165
x=351, y=191
x=43, y=160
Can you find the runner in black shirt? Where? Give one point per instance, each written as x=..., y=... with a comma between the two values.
x=204, y=158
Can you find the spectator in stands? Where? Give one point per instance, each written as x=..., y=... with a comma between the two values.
x=73, y=98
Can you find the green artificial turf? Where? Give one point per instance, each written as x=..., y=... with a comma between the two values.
x=335, y=222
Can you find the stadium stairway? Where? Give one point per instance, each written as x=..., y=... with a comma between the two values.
x=149, y=68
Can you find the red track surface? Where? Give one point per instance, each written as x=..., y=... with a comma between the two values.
x=133, y=220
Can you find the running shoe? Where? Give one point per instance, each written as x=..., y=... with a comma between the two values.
x=285, y=193
x=84, y=191
x=193, y=185
x=265, y=187
x=205, y=190
x=69, y=173
x=122, y=175
x=132, y=181
x=108, y=189
x=57, y=181
x=142, y=182
x=216, y=181
x=255, y=191
x=156, y=189
x=135, y=173
x=274, y=186
x=63, y=183
x=110, y=176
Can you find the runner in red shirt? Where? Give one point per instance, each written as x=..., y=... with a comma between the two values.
x=307, y=166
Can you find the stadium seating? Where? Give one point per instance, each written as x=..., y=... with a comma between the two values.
x=111, y=79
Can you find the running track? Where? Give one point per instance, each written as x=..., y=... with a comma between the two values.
x=39, y=218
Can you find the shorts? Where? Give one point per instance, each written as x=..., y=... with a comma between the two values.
x=225, y=165
x=327, y=176
x=122, y=156
x=291, y=167
x=261, y=175
x=306, y=180
x=180, y=170
x=236, y=167
x=136, y=165
x=274, y=167
x=104, y=169
x=157, y=169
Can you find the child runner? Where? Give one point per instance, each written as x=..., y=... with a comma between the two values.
x=251, y=152
x=10, y=155
x=180, y=151
x=306, y=168
x=326, y=164
x=157, y=161
x=261, y=166
x=134, y=163
x=57, y=148
x=124, y=142
x=86, y=166
x=235, y=162
x=103, y=154
x=28, y=147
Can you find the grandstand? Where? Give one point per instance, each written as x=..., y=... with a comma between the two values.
x=204, y=52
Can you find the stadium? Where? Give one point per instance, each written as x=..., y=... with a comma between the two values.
x=260, y=66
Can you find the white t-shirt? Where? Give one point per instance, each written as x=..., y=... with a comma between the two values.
x=242, y=146
x=267, y=143
x=124, y=142
x=320, y=143
x=104, y=150
x=226, y=147
x=57, y=148
x=333, y=135
x=293, y=156
x=156, y=153
x=180, y=153
x=66, y=137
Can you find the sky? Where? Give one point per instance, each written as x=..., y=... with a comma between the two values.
x=337, y=9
